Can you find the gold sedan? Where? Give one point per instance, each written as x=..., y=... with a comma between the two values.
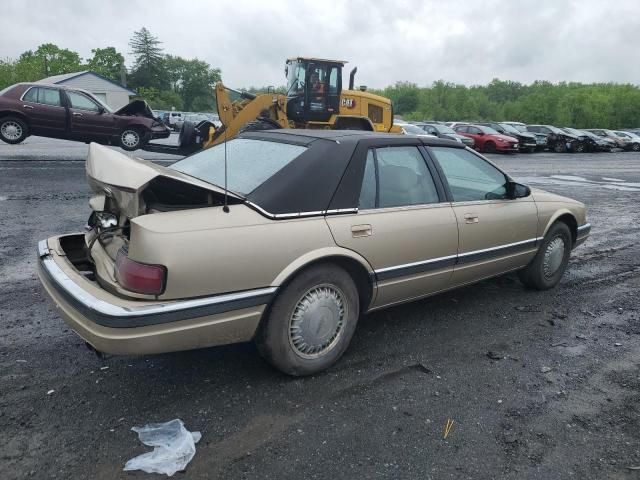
x=314, y=229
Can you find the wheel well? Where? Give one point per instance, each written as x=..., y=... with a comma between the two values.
x=20, y=115
x=356, y=270
x=570, y=221
x=353, y=123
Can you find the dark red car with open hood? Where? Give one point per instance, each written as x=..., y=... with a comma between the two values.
x=57, y=111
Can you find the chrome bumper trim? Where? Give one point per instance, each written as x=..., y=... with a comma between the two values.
x=150, y=313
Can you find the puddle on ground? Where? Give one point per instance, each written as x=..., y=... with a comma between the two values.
x=603, y=182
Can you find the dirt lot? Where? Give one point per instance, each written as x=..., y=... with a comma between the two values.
x=540, y=385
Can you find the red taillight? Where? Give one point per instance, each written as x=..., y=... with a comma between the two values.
x=139, y=277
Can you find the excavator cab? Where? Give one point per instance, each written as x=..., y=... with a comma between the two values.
x=313, y=89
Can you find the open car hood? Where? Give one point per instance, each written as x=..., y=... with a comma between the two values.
x=138, y=108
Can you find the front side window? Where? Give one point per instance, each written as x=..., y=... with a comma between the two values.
x=470, y=177
x=82, y=102
x=249, y=163
x=396, y=177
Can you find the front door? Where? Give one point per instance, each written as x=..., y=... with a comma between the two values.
x=46, y=112
x=404, y=227
x=89, y=121
x=497, y=234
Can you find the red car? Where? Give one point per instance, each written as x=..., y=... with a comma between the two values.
x=57, y=111
x=487, y=139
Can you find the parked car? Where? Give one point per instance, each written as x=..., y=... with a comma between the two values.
x=443, y=131
x=634, y=140
x=487, y=139
x=586, y=142
x=57, y=111
x=557, y=140
x=603, y=144
x=620, y=141
x=526, y=140
x=174, y=118
x=347, y=223
x=541, y=138
x=411, y=129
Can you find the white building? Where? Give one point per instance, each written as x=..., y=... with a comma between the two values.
x=110, y=92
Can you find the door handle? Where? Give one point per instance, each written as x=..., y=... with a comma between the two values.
x=471, y=218
x=76, y=114
x=364, y=230
x=27, y=106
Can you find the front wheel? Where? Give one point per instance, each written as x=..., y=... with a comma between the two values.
x=490, y=147
x=548, y=266
x=559, y=147
x=13, y=130
x=311, y=322
x=635, y=147
x=131, y=139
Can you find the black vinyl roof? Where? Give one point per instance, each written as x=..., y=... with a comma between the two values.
x=307, y=185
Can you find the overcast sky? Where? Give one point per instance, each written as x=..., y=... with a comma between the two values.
x=420, y=41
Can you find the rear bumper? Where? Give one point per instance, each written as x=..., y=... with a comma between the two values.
x=132, y=327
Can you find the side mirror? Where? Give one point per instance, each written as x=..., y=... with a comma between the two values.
x=517, y=190
x=101, y=110
x=480, y=133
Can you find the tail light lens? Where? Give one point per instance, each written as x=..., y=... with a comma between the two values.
x=139, y=277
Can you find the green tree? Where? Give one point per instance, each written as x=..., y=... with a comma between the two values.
x=107, y=62
x=160, y=100
x=148, y=67
x=194, y=80
x=46, y=61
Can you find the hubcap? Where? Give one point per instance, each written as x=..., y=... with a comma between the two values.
x=11, y=130
x=317, y=321
x=553, y=256
x=130, y=138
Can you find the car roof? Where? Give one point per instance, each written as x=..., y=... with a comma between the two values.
x=306, y=136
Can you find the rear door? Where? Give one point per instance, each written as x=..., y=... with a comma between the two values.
x=404, y=226
x=88, y=120
x=497, y=234
x=46, y=112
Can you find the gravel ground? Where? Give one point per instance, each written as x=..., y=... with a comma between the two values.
x=540, y=385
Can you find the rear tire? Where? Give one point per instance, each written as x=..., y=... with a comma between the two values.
x=311, y=322
x=13, y=130
x=489, y=147
x=548, y=266
x=579, y=147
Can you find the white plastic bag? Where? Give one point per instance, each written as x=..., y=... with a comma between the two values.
x=174, y=447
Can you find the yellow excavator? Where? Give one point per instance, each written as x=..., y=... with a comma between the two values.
x=314, y=99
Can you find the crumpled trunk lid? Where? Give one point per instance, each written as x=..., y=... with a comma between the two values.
x=125, y=188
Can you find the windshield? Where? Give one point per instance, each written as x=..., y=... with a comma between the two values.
x=412, y=129
x=445, y=129
x=249, y=163
x=295, y=78
x=554, y=129
x=104, y=105
x=509, y=128
x=488, y=130
x=573, y=131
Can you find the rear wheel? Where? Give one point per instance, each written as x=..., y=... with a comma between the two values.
x=579, y=147
x=550, y=263
x=132, y=138
x=490, y=147
x=311, y=322
x=13, y=130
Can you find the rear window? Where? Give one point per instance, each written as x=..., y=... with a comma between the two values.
x=249, y=163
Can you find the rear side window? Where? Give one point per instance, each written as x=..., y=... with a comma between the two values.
x=469, y=176
x=396, y=177
x=249, y=163
x=44, y=96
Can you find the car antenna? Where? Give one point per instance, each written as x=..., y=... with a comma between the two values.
x=225, y=209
